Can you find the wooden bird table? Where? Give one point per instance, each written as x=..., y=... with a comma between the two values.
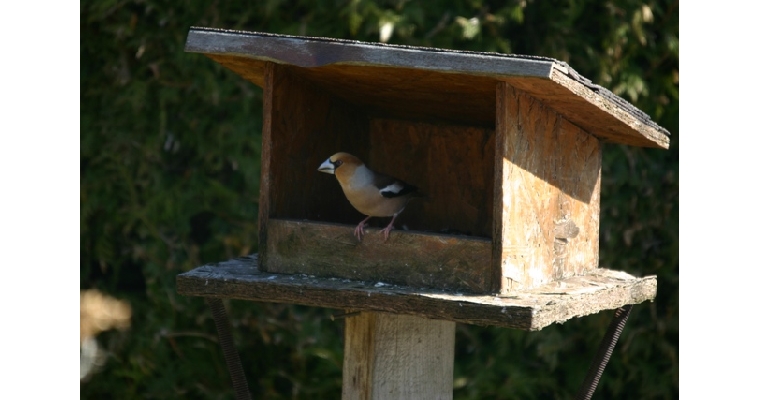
x=507, y=148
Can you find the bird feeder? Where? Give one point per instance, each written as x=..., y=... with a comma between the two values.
x=507, y=149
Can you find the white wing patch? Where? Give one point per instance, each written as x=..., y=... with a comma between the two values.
x=395, y=188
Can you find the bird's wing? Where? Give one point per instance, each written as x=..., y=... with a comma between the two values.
x=391, y=187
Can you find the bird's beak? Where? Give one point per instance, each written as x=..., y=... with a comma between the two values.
x=327, y=167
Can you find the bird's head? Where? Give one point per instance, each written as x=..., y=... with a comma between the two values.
x=341, y=164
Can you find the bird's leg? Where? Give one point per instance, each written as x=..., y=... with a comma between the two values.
x=387, y=230
x=359, y=231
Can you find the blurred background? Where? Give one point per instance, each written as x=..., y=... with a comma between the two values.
x=169, y=180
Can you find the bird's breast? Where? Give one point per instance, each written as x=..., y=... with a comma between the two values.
x=369, y=201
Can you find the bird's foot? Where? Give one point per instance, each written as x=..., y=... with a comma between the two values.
x=359, y=231
x=387, y=230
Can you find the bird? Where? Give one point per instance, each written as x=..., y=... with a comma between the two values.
x=371, y=193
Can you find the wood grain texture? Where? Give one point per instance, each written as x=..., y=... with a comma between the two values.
x=549, y=173
x=302, y=127
x=533, y=309
x=500, y=203
x=426, y=84
x=410, y=94
x=309, y=52
x=391, y=356
x=604, y=118
x=593, y=113
x=249, y=69
x=408, y=258
x=265, y=185
x=451, y=164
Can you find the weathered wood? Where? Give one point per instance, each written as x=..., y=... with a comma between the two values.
x=302, y=126
x=265, y=184
x=604, y=119
x=506, y=148
x=390, y=356
x=590, y=111
x=452, y=165
x=309, y=52
x=429, y=84
x=533, y=309
x=549, y=171
x=411, y=94
x=500, y=203
x=408, y=258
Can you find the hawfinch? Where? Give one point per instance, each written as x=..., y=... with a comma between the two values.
x=371, y=193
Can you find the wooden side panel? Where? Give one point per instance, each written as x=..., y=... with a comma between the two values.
x=265, y=185
x=390, y=356
x=303, y=126
x=548, y=171
x=452, y=165
x=408, y=258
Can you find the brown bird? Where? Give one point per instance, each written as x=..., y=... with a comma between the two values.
x=371, y=193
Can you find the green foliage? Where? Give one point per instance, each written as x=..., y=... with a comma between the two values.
x=170, y=165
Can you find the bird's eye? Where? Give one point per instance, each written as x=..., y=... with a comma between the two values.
x=338, y=163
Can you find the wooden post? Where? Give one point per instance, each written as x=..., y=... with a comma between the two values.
x=392, y=356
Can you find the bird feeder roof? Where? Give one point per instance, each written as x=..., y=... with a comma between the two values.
x=429, y=83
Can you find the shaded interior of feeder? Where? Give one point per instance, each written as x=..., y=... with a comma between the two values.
x=432, y=130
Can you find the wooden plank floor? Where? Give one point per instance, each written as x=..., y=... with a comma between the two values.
x=528, y=310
